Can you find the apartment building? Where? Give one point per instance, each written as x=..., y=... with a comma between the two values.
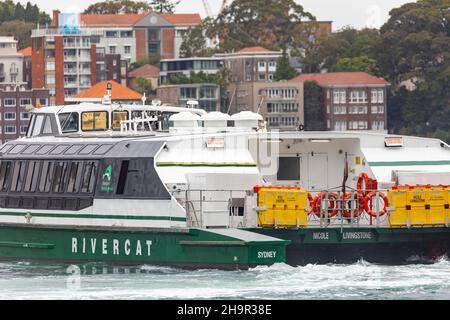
x=280, y=103
x=11, y=61
x=351, y=100
x=26, y=53
x=79, y=50
x=254, y=64
x=185, y=66
x=15, y=101
x=206, y=94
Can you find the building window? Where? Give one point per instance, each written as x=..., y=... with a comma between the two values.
x=340, y=126
x=340, y=110
x=262, y=76
x=262, y=64
x=111, y=34
x=207, y=93
x=377, y=96
x=112, y=49
x=248, y=77
x=24, y=116
x=50, y=79
x=50, y=65
x=188, y=93
x=10, y=130
x=9, y=102
x=358, y=125
x=270, y=76
x=127, y=49
x=339, y=96
x=272, y=64
x=10, y=116
x=23, y=129
x=358, y=96
x=377, y=109
x=114, y=62
x=378, y=125
x=25, y=101
x=126, y=34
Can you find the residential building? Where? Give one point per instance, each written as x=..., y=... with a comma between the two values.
x=15, y=101
x=148, y=72
x=119, y=94
x=280, y=103
x=207, y=95
x=11, y=61
x=187, y=65
x=254, y=64
x=351, y=100
x=26, y=53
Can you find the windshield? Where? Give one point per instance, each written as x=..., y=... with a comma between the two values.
x=68, y=122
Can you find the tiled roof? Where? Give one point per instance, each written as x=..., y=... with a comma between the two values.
x=146, y=70
x=342, y=78
x=98, y=20
x=182, y=19
x=118, y=92
x=25, y=52
x=253, y=50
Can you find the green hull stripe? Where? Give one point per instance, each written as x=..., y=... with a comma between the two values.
x=409, y=163
x=92, y=216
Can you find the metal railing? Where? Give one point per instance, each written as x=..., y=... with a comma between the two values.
x=334, y=210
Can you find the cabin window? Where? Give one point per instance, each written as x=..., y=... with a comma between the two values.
x=117, y=117
x=59, y=176
x=94, y=121
x=46, y=177
x=47, y=129
x=68, y=122
x=288, y=169
x=90, y=171
x=32, y=176
x=37, y=125
x=5, y=169
x=75, y=173
x=18, y=176
x=122, y=177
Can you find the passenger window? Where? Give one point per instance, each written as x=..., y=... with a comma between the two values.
x=59, y=177
x=94, y=121
x=68, y=122
x=5, y=169
x=37, y=125
x=136, y=114
x=47, y=126
x=117, y=117
x=46, y=177
x=90, y=171
x=18, y=176
x=32, y=176
x=73, y=186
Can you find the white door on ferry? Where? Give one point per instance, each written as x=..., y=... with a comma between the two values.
x=317, y=171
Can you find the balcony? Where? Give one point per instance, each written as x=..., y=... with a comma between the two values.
x=85, y=71
x=70, y=31
x=70, y=71
x=70, y=57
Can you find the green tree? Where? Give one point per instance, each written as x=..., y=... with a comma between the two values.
x=118, y=7
x=263, y=23
x=19, y=12
x=415, y=46
x=284, y=69
x=144, y=86
x=353, y=64
x=194, y=42
x=20, y=30
x=314, y=113
x=164, y=6
x=151, y=59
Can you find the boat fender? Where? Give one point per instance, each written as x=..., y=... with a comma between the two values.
x=363, y=177
x=368, y=200
x=311, y=201
x=346, y=207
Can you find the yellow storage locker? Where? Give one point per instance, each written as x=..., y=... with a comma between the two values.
x=266, y=218
x=437, y=198
x=398, y=199
x=416, y=204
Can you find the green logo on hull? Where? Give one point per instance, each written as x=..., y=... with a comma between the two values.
x=107, y=179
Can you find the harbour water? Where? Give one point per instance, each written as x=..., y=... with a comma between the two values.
x=25, y=280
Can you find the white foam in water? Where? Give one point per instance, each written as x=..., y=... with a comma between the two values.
x=361, y=280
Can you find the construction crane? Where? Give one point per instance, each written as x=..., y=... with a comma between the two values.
x=208, y=10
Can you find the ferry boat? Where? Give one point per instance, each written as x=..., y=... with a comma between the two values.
x=137, y=184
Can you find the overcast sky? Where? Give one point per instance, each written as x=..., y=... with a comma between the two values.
x=356, y=13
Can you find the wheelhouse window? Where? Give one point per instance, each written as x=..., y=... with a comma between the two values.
x=32, y=176
x=18, y=176
x=94, y=121
x=68, y=122
x=5, y=170
x=90, y=171
x=117, y=117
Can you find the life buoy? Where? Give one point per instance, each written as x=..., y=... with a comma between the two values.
x=332, y=208
x=368, y=200
x=363, y=177
x=311, y=201
x=346, y=207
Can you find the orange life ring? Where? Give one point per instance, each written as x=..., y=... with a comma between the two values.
x=317, y=207
x=311, y=201
x=369, y=199
x=363, y=177
x=359, y=207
